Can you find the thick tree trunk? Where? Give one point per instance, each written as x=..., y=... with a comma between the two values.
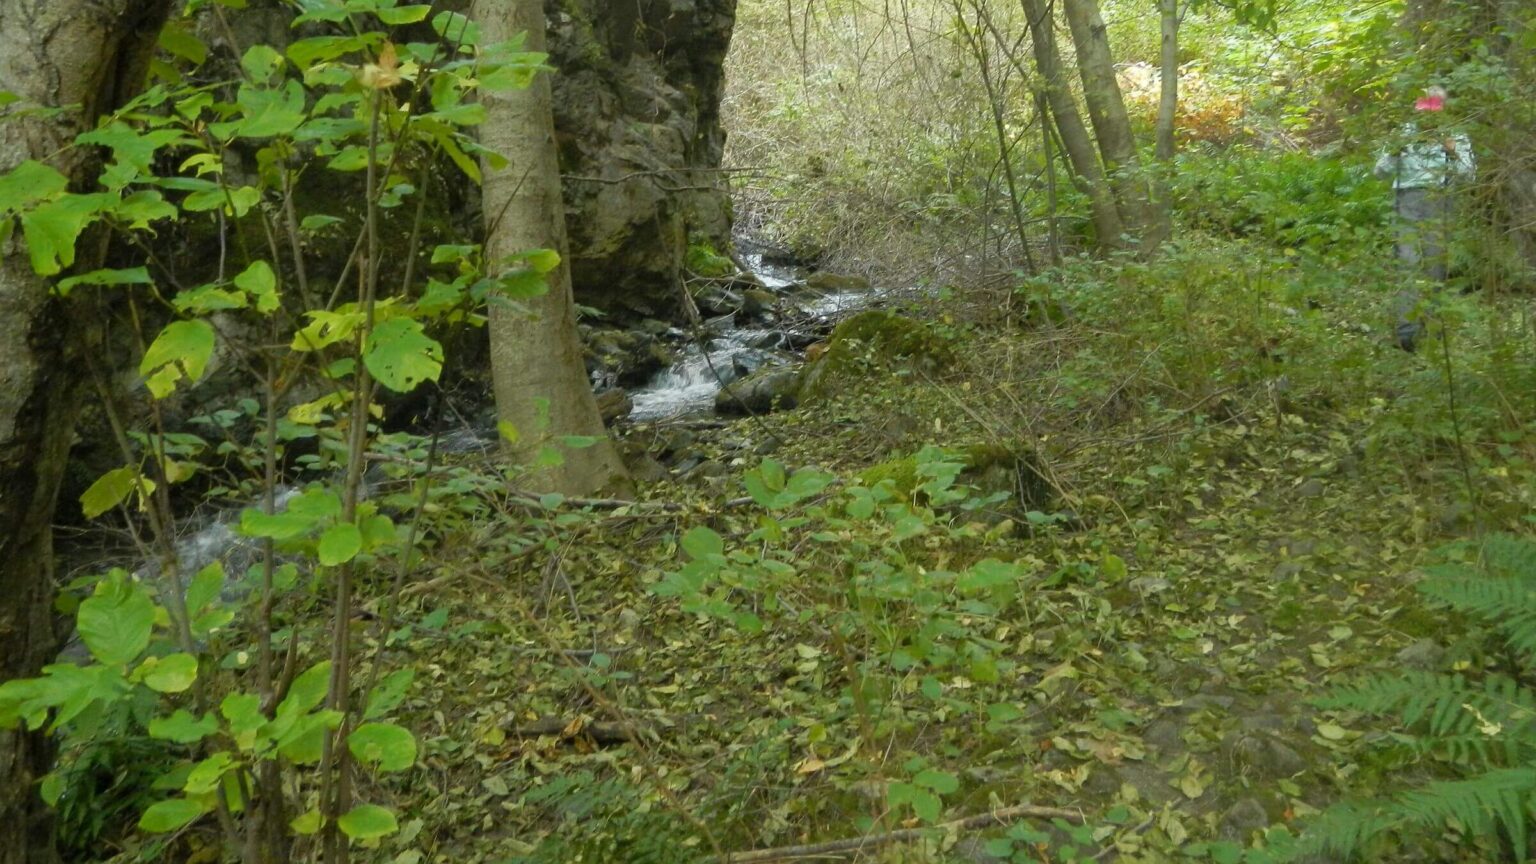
x=1168, y=103
x=1112, y=124
x=536, y=363
x=53, y=53
x=1086, y=171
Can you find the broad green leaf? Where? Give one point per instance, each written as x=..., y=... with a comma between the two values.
x=109, y=490
x=340, y=543
x=242, y=711
x=388, y=694
x=116, y=622
x=176, y=39
x=129, y=276
x=165, y=816
x=941, y=782
x=171, y=674
x=261, y=62
x=29, y=183
x=268, y=113
x=701, y=542
x=52, y=788
x=183, y=728
x=316, y=49
x=301, y=738
x=208, y=299
x=305, y=514
x=52, y=228
x=205, y=586
x=401, y=355
x=260, y=283
x=183, y=346
x=367, y=822
x=307, y=690
x=143, y=207
x=404, y=14
x=207, y=774
x=307, y=823
x=385, y=745
x=456, y=29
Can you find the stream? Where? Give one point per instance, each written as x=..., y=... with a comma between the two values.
x=730, y=352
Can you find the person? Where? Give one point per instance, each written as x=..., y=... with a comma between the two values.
x=1428, y=159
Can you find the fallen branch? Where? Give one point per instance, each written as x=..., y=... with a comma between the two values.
x=905, y=835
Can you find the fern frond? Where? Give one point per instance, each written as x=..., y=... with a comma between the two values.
x=1511, y=555
x=1498, y=799
x=1507, y=602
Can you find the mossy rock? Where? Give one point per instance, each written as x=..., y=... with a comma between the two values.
x=706, y=261
x=874, y=339
x=990, y=467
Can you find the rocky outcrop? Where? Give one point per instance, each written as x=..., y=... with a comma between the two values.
x=637, y=117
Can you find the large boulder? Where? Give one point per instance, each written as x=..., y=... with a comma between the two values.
x=637, y=120
x=874, y=340
x=765, y=390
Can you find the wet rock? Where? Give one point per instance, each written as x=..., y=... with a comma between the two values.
x=767, y=446
x=834, y=283
x=624, y=357
x=1240, y=820
x=715, y=299
x=614, y=404
x=677, y=441
x=764, y=391
x=756, y=302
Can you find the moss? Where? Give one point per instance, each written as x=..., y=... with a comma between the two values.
x=878, y=339
x=704, y=260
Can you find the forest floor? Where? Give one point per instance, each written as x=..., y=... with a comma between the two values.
x=1244, y=478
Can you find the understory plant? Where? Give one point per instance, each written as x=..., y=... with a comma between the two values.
x=1475, y=728
x=274, y=734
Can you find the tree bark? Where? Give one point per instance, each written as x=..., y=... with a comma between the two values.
x=89, y=55
x=536, y=361
x=1112, y=125
x=1168, y=103
x=1075, y=141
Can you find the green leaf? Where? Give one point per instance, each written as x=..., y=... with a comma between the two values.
x=205, y=775
x=401, y=355
x=386, y=745
x=129, y=276
x=242, y=711
x=52, y=228
x=456, y=28
x=143, y=207
x=268, y=113
x=260, y=283
x=165, y=816
x=701, y=542
x=305, y=513
x=170, y=674
x=307, y=690
x=109, y=490
x=404, y=14
x=261, y=62
x=177, y=40
x=307, y=823
x=388, y=694
x=340, y=543
x=367, y=822
x=941, y=782
x=116, y=622
x=183, y=346
x=205, y=587
x=29, y=183
x=183, y=728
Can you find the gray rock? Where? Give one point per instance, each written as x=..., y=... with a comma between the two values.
x=1425, y=654
x=1261, y=755
x=1242, y=819
x=708, y=468
x=614, y=404
x=756, y=302
x=764, y=391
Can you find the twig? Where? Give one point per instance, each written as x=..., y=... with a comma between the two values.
x=905, y=835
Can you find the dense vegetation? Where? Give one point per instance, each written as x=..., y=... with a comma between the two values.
x=1069, y=550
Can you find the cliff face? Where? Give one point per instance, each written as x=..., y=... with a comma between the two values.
x=637, y=117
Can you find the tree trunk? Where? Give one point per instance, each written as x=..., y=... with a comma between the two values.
x=1168, y=104
x=1112, y=125
x=53, y=53
x=536, y=362
x=1086, y=171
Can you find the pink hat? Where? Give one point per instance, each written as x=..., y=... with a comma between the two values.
x=1433, y=100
